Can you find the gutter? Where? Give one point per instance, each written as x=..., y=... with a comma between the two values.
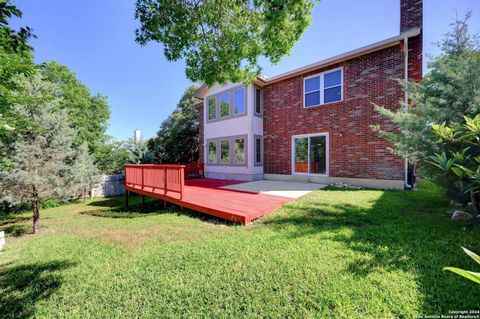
x=405, y=47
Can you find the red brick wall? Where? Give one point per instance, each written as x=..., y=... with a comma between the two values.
x=201, y=127
x=355, y=150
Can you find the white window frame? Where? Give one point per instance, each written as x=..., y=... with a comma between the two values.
x=322, y=87
x=327, y=152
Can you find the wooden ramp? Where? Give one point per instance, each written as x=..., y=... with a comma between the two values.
x=202, y=195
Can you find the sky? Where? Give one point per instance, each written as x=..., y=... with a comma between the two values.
x=95, y=39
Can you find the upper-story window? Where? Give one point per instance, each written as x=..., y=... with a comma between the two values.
x=323, y=88
x=212, y=108
x=227, y=104
x=239, y=101
x=258, y=101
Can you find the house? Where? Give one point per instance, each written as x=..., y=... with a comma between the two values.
x=313, y=123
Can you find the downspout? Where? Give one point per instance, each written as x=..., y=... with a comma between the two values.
x=405, y=47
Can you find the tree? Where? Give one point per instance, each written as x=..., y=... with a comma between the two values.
x=38, y=167
x=448, y=92
x=84, y=171
x=15, y=59
x=222, y=40
x=177, y=139
x=139, y=152
x=111, y=157
x=460, y=156
x=88, y=114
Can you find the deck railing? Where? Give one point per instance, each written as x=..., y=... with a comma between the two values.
x=156, y=178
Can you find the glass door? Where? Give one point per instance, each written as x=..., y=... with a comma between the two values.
x=301, y=155
x=310, y=154
x=318, y=156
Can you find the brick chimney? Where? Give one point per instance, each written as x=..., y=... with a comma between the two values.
x=411, y=14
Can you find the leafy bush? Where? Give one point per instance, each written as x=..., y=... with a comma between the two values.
x=49, y=203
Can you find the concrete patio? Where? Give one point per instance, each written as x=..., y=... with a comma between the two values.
x=276, y=188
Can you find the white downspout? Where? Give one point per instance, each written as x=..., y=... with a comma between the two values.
x=405, y=47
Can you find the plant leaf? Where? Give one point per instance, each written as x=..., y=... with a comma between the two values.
x=472, y=254
x=473, y=276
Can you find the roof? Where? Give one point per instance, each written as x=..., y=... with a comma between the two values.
x=335, y=59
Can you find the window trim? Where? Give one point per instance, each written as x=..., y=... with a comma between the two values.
x=231, y=91
x=322, y=87
x=255, y=138
x=255, y=88
x=327, y=152
x=231, y=140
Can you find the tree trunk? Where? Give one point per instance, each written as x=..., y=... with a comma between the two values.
x=36, y=214
x=475, y=203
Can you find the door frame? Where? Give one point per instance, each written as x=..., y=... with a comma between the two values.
x=327, y=152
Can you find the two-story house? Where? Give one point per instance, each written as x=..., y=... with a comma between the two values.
x=314, y=123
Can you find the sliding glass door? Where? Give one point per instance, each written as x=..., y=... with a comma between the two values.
x=310, y=154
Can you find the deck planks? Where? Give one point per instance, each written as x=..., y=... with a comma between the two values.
x=206, y=196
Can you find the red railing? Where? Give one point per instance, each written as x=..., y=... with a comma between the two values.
x=194, y=170
x=156, y=177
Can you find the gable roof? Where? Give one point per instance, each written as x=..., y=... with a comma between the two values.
x=261, y=80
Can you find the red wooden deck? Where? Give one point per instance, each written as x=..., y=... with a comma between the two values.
x=206, y=196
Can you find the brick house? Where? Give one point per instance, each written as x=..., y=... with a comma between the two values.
x=314, y=123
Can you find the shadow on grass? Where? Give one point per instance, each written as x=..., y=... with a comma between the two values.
x=115, y=209
x=400, y=231
x=23, y=286
x=17, y=230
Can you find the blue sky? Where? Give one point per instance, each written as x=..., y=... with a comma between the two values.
x=96, y=40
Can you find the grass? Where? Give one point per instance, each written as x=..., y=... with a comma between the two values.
x=341, y=253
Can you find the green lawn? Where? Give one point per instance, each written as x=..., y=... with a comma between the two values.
x=342, y=253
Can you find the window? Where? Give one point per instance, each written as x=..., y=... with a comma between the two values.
x=258, y=150
x=239, y=101
x=212, y=108
x=239, y=150
x=227, y=151
x=225, y=105
x=323, y=88
x=212, y=152
x=258, y=101
x=224, y=151
x=332, y=87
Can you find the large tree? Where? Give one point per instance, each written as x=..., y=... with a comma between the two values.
x=222, y=40
x=177, y=139
x=38, y=167
x=447, y=93
x=87, y=113
x=15, y=59
x=111, y=156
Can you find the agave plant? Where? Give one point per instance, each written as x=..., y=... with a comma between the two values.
x=460, y=157
x=473, y=276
